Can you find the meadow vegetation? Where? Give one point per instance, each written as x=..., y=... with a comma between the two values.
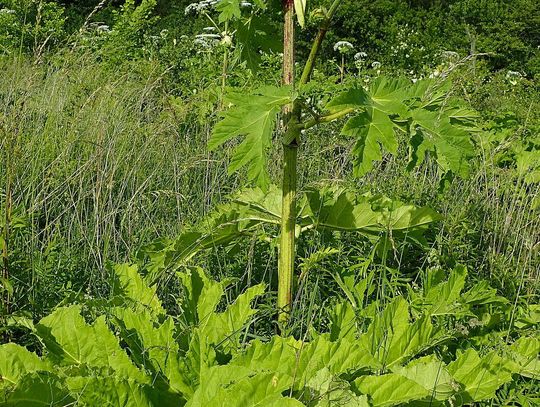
x=190, y=216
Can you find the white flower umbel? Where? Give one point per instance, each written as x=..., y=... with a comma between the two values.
x=513, y=77
x=343, y=47
x=103, y=28
x=360, y=56
x=195, y=8
x=375, y=64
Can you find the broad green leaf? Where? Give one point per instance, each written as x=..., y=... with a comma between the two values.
x=225, y=328
x=432, y=375
x=390, y=389
x=421, y=110
x=525, y=353
x=16, y=361
x=154, y=348
x=40, y=389
x=343, y=321
x=326, y=390
x=228, y=386
x=481, y=294
x=354, y=98
x=302, y=360
x=479, y=376
x=443, y=298
x=367, y=214
x=254, y=37
x=71, y=341
x=202, y=295
x=451, y=144
x=254, y=117
x=528, y=165
x=300, y=10
x=228, y=10
x=388, y=95
x=392, y=339
x=372, y=129
x=130, y=285
x=114, y=391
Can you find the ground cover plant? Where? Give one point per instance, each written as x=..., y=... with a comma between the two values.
x=256, y=207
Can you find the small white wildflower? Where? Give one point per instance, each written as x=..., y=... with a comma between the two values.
x=202, y=43
x=7, y=11
x=245, y=4
x=195, y=8
x=209, y=29
x=375, y=64
x=343, y=47
x=474, y=322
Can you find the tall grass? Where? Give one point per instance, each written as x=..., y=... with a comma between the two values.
x=105, y=161
x=100, y=165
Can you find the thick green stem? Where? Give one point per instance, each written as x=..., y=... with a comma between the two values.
x=290, y=151
x=288, y=222
x=291, y=136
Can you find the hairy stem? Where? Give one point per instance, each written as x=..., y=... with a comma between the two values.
x=290, y=153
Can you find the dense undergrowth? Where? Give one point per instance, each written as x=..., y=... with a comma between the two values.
x=423, y=291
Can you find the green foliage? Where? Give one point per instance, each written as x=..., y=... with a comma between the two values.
x=105, y=145
x=324, y=209
x=30, y=26
x=136, y=354
x=408, y=36
x=421, y=110
x=253, y=117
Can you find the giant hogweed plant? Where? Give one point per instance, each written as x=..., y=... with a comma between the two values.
x=379, y=117
x=127, y=350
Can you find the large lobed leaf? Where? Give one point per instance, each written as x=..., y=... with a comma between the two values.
x=430, y=121
x=252, y=116
x=70, y=341
x=328, y=208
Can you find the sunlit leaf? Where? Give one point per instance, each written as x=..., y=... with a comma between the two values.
x=254, y=117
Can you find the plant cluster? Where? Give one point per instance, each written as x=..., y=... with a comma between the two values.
x=366, y=204
x=445, y=345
